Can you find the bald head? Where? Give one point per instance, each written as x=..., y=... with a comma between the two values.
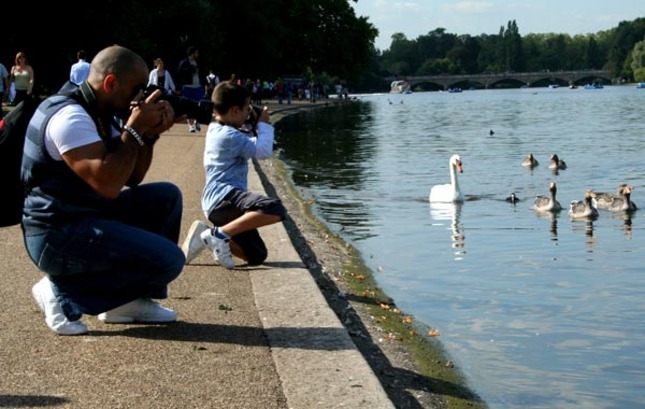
x=116, y=60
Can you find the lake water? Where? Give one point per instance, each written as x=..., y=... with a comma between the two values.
x=538, y=312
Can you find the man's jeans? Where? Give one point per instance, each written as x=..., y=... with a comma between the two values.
x=97, y=264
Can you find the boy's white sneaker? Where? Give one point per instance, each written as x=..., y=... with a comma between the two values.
x=44, y=295
x=193, y=244
x=220, y=248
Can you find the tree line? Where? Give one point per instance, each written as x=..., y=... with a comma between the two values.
x=317, y=40
x=621, y=50
x=251, y=38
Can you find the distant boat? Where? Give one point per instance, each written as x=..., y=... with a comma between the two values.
x=594, y=86
x=640, y=85
x=400, y=87
x=453, y=90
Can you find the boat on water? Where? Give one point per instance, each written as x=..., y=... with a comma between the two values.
x=454, y=90
x=640, y=85
x=400, y=87
x=594, y=86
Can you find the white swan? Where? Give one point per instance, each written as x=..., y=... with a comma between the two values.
x=448, y=193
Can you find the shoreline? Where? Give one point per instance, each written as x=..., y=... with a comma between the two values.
x=412, y=365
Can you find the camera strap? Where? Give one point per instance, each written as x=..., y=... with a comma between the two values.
x=92, y=107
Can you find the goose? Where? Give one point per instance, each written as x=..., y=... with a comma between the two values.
x=556, y=163
x=547, y=203
x=583, y=209
x=530, y=161
x=604, y=199
x=623, y=203
x=448, y=193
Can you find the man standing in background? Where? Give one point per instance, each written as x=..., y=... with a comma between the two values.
x=4, y=86
x=80, y=70
x=190, y=83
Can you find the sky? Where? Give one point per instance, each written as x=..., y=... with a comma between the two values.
x=418, y=17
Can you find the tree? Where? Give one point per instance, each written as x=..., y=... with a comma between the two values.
x=287, y=37
x=638, y=61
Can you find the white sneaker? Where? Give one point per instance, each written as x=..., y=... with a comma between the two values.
x=193, y=244
x=191, y=128
x=54, y=317
x=220, y=249
x=139, y=310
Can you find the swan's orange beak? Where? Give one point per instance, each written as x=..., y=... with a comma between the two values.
x=459, y=168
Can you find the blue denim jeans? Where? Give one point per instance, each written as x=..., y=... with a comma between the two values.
x=97, y=264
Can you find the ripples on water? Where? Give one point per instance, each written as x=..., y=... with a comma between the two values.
x=539, y=312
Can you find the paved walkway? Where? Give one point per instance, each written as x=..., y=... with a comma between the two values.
x=261, y=337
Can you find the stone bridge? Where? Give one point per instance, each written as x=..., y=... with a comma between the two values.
x=526, y=78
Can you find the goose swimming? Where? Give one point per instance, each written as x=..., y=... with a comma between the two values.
x=604, y=199
x=547, y=203
x=556, y=163
x=583, y=209
x=623, y=202
x=530, y=161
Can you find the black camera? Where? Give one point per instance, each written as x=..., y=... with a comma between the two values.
x=201, y=111
x=253, y=118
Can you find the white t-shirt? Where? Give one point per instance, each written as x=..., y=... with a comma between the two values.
x=69, y=128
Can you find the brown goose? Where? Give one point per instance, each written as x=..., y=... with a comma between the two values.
x=530, y=161
x=556, y=163
x=623, y=203
x=604, y=199
x=547, y=203
x=583, y=209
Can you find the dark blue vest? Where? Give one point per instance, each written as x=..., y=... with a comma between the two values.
x=55, y=195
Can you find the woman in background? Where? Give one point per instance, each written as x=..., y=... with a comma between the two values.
x=22, y=77
x=160, y=77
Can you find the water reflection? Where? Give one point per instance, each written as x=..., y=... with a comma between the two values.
x=626, y=217
x=553, y=225
x=591, y=238
x=368, y=171
x=452, y=213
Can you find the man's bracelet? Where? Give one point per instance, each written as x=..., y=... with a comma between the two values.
x=135, y=134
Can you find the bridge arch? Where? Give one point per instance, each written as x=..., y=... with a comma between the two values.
x=487, y=80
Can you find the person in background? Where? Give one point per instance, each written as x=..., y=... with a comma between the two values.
x=80, y=70
x=235, y=212
x=4, y=87
x=190, y=82
x=22, y=77
x=161, y=77
x=106, y=242
x=212, y=80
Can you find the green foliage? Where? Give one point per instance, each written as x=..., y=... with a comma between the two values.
x=638, y=56
x=287, y=37
x=441, y=52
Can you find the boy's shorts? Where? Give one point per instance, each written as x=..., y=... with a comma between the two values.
x=234, y=205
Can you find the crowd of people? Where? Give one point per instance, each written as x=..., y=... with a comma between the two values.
x=106, y=242
x=18, y=83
